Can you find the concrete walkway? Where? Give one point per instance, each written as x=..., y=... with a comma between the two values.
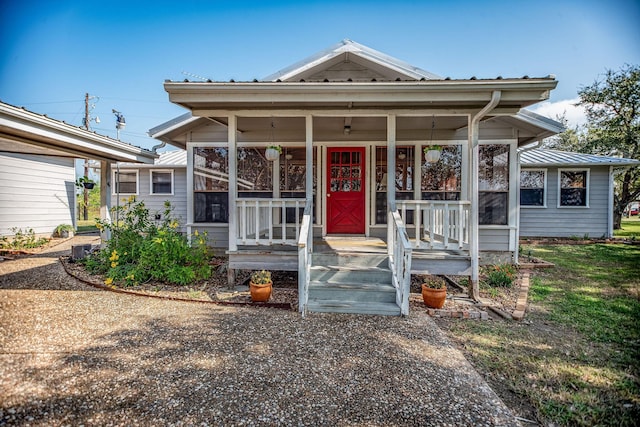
x=70, y=354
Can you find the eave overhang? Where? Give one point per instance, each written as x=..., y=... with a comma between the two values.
x=23, y=131
x=202, y=97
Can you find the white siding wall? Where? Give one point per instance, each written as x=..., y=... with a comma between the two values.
x=36, y=192
x=553, y=221
x=155, y=203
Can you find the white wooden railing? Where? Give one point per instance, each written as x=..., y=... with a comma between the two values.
x=438, y=224
x=263, y=221
x=399, y=249
x=305, y=251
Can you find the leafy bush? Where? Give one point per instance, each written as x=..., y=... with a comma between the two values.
x=501, y=275
x=22, y=240
x=141, y=250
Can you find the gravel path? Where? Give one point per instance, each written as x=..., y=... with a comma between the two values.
x=73, y=355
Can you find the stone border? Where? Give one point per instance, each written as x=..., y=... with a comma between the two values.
x=458, y=314
x=521, y=305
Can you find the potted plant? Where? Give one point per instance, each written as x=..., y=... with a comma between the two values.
x=85, y=182
x=434, y=291
x=260, y=286
x=432, y=153
x=272, y=152
x=63, y=230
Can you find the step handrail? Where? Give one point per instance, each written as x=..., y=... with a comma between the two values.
x=305, y=252
x=399, y=251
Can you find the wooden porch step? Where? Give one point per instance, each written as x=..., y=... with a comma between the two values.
x=353, y=307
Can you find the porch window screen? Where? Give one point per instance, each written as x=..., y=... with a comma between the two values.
x=293, y=179
x=255, y=176
x=404, y=180
x=210, y=185
x=493, y=191
x=532, y=187
x=441, y=180
x=125, y=182
x=573, y=188
x=161, y=182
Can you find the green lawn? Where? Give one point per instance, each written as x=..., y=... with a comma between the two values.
x=630, y=228
x=86, y=226
x=574, y=360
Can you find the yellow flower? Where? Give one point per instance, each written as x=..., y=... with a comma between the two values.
x=132, y=199
x=114, y=256
x=174, y=224
x=108, y=281
x=195, y=233
x=114, y=264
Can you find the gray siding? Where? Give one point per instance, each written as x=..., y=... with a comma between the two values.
x=36, y=192
x=155, y=203
x=566, y=222
x=493, y=239
x=217, y=236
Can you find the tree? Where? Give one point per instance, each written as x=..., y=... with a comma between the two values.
x=612, y=106
x=569, y=140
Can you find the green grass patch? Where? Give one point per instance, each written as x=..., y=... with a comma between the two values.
x=86, y=226
x=630, y=228
x=576, y=356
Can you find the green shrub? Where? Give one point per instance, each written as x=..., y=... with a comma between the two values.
x=22, y=240
x=141, y=250
x=501, y=275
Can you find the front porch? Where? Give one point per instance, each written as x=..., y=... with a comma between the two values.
x=352, y=274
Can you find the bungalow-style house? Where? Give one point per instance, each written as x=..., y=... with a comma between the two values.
x=37, y=174
x=341, y=120
x=565, y=194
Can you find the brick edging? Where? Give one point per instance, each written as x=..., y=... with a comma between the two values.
x=521, y=305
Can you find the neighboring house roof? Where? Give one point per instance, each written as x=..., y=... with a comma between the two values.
x=23, y=131
x=538, y=126
x=547, y=157
x=167, y=159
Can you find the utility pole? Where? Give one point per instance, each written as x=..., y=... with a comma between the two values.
x=87, y=120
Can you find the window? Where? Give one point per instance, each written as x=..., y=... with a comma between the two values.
x=125, y=182
x=573, y=187
x=161, y=182
x=493, y=191
x=532, y=185
x=255, y=176
x=441, y=180
x=210, y=185
x=403, y=179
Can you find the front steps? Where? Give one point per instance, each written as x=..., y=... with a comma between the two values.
x=347, y=282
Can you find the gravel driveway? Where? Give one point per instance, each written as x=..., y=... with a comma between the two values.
x=73, y=355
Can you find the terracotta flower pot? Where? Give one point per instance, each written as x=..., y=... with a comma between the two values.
x=260, y=292
x=434, y=298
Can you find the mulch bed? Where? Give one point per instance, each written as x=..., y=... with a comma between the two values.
x=285, y=290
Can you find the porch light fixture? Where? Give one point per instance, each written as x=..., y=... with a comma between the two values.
x=432, y=152
x=402, y=156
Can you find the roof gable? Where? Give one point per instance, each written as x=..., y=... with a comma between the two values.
x=351, y=61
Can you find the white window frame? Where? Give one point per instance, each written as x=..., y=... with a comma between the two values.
x=151, y=171
x=115, y=182
x=588, y=184
x=545, y=188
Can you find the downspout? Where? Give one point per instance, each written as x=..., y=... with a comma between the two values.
x=474, y=247
x=535, y=145
x=159, y=146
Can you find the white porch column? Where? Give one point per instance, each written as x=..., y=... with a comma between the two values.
x=309, y=156
x=391, y=175
x=105, y=198
x=233, y=181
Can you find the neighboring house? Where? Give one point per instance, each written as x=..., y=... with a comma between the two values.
x=344, y=118
x=565, y=194
x=165, y=180
x=37, y=175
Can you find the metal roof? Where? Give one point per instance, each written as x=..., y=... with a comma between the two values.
x=23, y=131
x=547, y=157
x=167, y=159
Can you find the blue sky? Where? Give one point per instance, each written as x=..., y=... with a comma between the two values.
x=51, y=53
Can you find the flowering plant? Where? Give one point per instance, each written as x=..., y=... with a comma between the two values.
x=261, y=277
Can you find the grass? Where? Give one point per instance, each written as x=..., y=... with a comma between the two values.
x=574, y=360
x=630, y=228
x=86, y=226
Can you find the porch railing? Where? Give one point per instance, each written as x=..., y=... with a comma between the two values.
x=305, y=251
x=438, y=224
x=264, y=221
x=399, y=259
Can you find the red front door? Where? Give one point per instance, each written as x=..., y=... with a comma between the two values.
x=345, y=190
